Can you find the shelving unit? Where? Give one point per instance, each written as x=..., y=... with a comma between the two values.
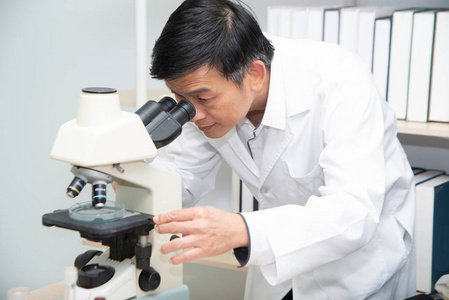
x=433, y=129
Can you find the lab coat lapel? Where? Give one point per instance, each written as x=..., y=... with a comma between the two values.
x=234, y=152
x=240, y=151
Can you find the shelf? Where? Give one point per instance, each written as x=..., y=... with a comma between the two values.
x=434, y=129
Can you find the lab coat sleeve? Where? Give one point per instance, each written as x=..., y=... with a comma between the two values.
x=342, y=217
x=195, y=160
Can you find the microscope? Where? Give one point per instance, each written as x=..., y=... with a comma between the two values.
x=105, y=145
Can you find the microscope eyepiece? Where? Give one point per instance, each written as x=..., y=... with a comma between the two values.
x=183, y=112
x=151, y=109
x=167, y=103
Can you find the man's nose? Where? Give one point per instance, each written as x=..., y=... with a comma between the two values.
x=200, y=113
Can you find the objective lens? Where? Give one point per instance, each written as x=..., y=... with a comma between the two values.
x=98, y=194
x=75, y=187
x=183, y=112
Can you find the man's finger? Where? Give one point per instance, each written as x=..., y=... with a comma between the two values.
x=176, y=227
x=187, y=256
x=180, y=215
x=178, y=244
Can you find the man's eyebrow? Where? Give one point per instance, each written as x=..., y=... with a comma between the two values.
x=197, y=91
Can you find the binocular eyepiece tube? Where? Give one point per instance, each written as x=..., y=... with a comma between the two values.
x=164, y=119
x=151, y=109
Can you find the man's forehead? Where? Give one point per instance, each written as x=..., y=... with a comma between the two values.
x=198, y=81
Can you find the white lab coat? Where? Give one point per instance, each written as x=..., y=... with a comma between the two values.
x=334, y=187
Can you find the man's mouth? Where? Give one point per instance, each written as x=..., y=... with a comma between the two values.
x=205, y=128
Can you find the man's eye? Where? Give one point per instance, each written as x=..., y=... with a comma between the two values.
x=205, y=99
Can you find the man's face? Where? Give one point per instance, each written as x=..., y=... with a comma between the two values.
x=220, y=104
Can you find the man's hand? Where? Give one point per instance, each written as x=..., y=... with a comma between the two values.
x=206, y=230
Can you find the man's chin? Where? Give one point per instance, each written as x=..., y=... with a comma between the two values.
x=215, y=134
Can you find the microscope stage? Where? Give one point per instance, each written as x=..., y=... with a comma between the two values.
x=131, y=222
x=86, y=212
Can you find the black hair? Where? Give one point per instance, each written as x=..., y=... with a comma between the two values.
x=221, y=34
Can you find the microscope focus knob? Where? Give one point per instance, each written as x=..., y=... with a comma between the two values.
x=149, y=280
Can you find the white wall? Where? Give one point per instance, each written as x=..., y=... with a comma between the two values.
x=49, y=50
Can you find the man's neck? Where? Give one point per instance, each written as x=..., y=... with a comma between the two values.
x=255, y=116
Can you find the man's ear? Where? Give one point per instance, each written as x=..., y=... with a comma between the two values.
x=257, y=73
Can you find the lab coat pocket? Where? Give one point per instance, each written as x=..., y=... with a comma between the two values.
x=301, y=185
x=355, y=276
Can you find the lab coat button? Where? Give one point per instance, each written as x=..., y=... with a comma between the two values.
x=264, y=190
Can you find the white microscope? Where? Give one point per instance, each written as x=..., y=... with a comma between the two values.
x=105, y=145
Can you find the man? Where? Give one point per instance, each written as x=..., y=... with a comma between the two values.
x=303, y=126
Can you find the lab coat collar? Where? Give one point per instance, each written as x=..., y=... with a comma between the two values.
x=275, y=112
x=290, y=92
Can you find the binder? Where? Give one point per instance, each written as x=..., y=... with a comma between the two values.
x=417, y=170
x=400, y=50
x=357, y=29
x=439, y=90
x=315, y=21
x=427, y=175
x=349, y=24
x=431, y=232
x=273, y=19
x=365, y=39
x=381, y=54
x=299, y=22
x=420, y=66
x=285, y=22
x=331, y=26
